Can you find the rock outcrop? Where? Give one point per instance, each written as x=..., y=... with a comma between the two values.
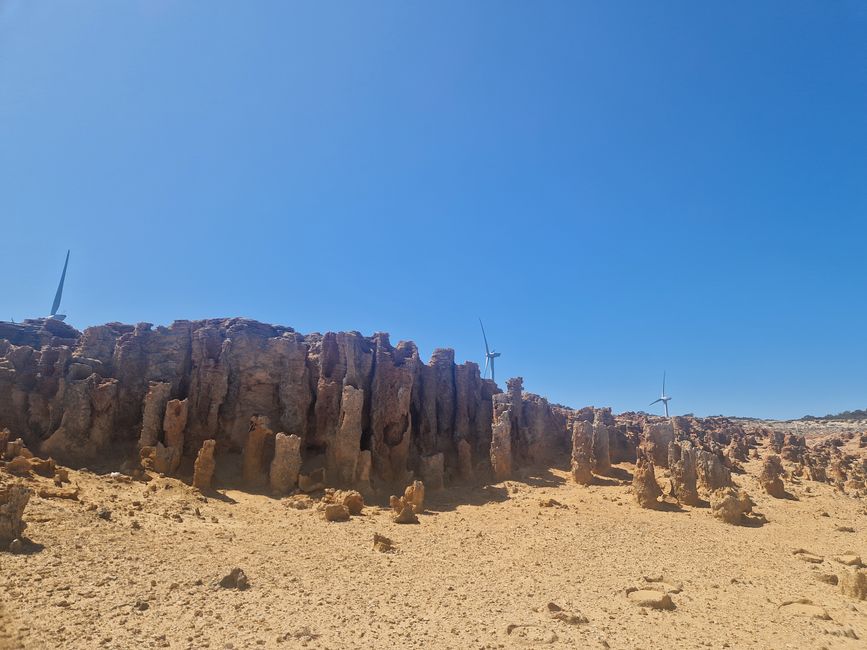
x=582, y=452
x=286, y=465
x=13, y=500
x=254, y=450
x=772, y=470
x=730, y=505
x=682, y=467
x=644, y=485
x=203, y=468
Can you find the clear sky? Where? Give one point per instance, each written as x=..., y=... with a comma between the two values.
x=616, y=188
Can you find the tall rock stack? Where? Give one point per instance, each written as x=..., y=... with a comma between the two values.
x=601, y=444
x=681, y=464
x=582, y=452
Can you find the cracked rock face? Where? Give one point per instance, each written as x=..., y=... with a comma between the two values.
x=369, y=412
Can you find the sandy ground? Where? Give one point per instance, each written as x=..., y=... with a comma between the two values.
x=477, y=572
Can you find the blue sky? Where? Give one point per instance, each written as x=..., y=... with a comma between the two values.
x=616, y=188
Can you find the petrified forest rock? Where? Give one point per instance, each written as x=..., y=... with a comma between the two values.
x=254, y=450
x=13, y=499
x=174, y=423
x=203, y=469
x=431, y=470
x=772, y=469
x=854, y=584
x=153, y=413
x=644, y=485
x=601, y=443
x=656, y=440
x=712, y=473
x=730, y=505
x=501, y=439
x=286, y=464
x=342, y=453
x=414, y=495
x=582, y=452
x=681, y=464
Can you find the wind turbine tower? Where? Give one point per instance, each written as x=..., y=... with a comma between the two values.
x=490, y=355
x=663, y=398
x=59, y=293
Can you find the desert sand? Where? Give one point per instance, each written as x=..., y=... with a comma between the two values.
x=538, y=561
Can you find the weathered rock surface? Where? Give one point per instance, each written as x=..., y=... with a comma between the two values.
x=681, y=464
x=254, y=450
x=203, y=468
x=601, y=446
x=854, y=584
x=582, y=452
x=772, y=470
x=730, y=505
x=286, y=465
x=13, y=500
x=644, y=485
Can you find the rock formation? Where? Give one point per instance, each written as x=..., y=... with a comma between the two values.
x=644, y=484
x=582, y=452
x=657, y=438
x=286, y=465
x=501, y=439
x=13, y=500
x=682, y=466
x=772, y=469
x=730, y=505
x=254, y=450
x=601, y=445
x=203, y=468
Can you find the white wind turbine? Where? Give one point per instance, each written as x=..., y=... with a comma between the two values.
x=663, y=398
x=59, y=294
x=490, y=355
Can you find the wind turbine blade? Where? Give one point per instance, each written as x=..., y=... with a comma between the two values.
x=655, y=401
x=59, y=293
x=663, y=382
x=487, y=349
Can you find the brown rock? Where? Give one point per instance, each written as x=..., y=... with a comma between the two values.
x=286, y=464
x=47, y=492
x=342, y=452
x=174, y=423
x=406, y=515
x=254, y=449
x=501, y=438
x=644, y=485
x=336, y=512
x=153, y=413
x=656, y=440
x=19, y=466
x=601, y=447
x=854, y=583
x=730, y=505
x=13, y=499
x=772, y=469
x=203, y=468
x=382, y=543
x=582, y=452
x=414, y=495
x=465, y=461
x=353, y=500
x=681, y=464
x=313, y=481
x=431, y=470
